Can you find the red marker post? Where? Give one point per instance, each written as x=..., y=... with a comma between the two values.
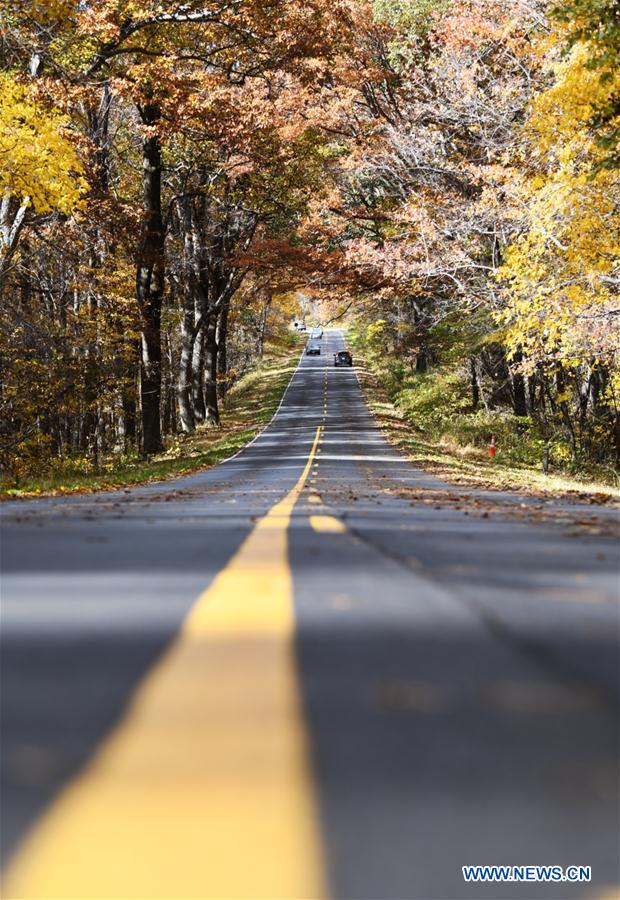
x=492, y=448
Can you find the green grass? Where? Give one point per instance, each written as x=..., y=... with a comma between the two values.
x=249, y=406
x=454, y=457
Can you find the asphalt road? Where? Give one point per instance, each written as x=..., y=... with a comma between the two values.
x=370, y=691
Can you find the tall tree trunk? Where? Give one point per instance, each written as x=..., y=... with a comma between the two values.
x=12, y=217
x=531, y=395
x=475, y=386
x=560, y=385
x=169, y=417
x=184, y=384
x=91, y=373
x=222, y=352
x=189, y=322
x=150, y=285
x=263, y=325
x=519, y=399
x=129, y=392
x=421, y=361
x=213, y=412
x=198, y=373
x=616, y=436
x=185, y=379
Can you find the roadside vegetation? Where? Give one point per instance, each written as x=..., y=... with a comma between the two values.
x=429, y=417
x=248, y=407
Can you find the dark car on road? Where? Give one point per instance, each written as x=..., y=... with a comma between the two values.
x=313, y=349
x=343, y=358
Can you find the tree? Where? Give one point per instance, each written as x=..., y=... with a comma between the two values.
x=595, y=25
x=218, y=106
x=562, y=309
x=159, y=56
x=40, y=169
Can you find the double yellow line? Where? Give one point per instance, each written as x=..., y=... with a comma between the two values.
x=204, y=790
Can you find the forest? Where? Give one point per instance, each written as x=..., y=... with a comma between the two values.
x=439, y=177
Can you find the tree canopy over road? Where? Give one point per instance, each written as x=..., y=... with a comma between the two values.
x=309, y=629
x=172, y=173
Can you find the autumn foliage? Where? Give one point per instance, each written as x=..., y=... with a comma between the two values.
x=172, y=173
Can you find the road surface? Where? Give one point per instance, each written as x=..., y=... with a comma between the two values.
x=289, y=676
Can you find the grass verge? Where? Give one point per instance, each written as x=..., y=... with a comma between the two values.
x=248, y=407
x=467, y=464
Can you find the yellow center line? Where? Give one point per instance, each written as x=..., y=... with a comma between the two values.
x=327, y=524
x=204, y=789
